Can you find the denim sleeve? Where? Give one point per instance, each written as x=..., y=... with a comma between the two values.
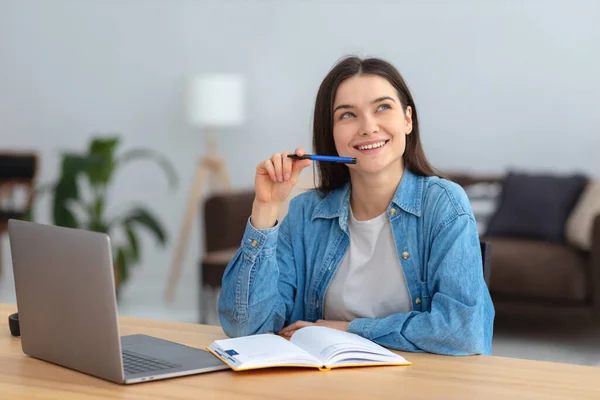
x=257, y=289
x=457, y=322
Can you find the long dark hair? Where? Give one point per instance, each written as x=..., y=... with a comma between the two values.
x=334, y=175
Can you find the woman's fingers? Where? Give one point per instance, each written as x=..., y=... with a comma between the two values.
x=277, y=163
x=270, y=168
x=294, y=327
x=291, y=327
x=287, y=165
x=288, y=334
x=297, y=168
x=281, y=168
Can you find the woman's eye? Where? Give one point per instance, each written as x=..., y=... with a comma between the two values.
x=347, y=114
x=383, y=107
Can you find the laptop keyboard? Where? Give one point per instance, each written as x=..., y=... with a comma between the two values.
x=135, y=363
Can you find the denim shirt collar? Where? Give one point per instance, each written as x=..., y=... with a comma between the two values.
x=408, y=197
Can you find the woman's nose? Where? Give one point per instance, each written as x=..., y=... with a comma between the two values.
x=369, y=126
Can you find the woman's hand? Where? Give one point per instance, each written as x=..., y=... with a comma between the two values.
x=274, y=180
x=289, y=330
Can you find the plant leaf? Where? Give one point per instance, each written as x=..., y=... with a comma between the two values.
x=29, y=215
x=162, y=162
x=63, y=216
x=134, y=253
x=101, y=160
x=143, y=217
x=66, y=189
x=104, y=145
x=122, y=267
x=98, y=226
x=98, y=207
x=72, y=165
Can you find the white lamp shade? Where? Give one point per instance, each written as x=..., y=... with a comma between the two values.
x=215, y=100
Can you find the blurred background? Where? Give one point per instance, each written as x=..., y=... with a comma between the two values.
x=499, y=86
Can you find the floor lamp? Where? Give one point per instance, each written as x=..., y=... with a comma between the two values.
x=213, y=102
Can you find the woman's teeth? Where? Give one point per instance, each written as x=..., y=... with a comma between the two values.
x=371, y=146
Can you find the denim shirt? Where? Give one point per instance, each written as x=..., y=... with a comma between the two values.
x=281, y=274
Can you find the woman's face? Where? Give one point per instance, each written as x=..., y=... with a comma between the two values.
x=369, y=123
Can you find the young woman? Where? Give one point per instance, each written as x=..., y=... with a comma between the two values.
x=383, y=248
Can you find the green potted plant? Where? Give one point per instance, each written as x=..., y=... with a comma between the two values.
x=94, y=171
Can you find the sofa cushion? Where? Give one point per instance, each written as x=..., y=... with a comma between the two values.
x=579, y=225
x=536, y=206
x=484, y=198
x=537, y=269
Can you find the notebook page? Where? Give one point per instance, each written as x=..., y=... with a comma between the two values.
x=263, y=350
x=326, y=343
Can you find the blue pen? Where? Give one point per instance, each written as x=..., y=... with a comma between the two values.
x=345, y=160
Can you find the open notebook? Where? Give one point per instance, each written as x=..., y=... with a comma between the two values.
x=313, y=346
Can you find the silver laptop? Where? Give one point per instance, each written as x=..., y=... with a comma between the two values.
x=68, y=313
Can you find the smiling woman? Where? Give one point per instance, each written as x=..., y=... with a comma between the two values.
x=372, y=97
x=385, y=248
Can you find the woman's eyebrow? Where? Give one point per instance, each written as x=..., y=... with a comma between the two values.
x=377, y=100
x=342, y=106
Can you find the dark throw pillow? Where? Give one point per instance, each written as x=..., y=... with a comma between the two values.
x=536, y=206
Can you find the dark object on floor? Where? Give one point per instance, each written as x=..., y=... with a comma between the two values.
x=13, y=324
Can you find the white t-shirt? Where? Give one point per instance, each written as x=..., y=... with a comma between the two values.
x=369, y=282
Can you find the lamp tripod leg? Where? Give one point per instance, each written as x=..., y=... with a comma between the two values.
x=192, y=208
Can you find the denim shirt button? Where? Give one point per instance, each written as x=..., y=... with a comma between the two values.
x=405, y=255
x=418, y=300
x=393, y=211
x=254, y=243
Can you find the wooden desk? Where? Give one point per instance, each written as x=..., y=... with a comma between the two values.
x=430, y=376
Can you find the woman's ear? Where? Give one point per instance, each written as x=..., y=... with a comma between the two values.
x=408, y=120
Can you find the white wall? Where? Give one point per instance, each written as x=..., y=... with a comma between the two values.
x=497, y=83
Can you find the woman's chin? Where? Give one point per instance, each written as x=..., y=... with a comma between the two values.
x=374, y=166
x=370, y=167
